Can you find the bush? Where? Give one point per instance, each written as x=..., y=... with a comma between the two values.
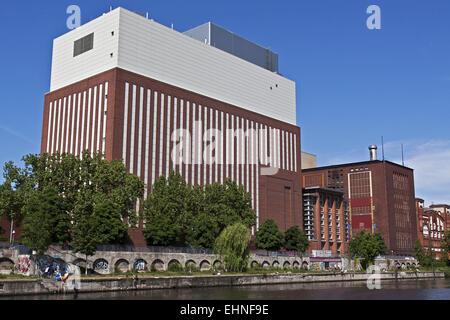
x=174, y=267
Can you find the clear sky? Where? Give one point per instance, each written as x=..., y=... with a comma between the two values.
x=354, y=85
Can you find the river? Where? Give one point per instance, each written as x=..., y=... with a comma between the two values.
x=436, y=289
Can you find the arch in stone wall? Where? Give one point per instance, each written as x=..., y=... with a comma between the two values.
x=6, y=265
x=101, y=266
x=265, y=264
x=205, y=265
x=122, y=265
x=217, y=264
x=190, y=263
x=286, y=265
x=79, y=262
x=140, y=264
x=296, y=264
x=158, y=265
x=174, y=265
x=275, y=264
x=305, y=265
x=254, y=264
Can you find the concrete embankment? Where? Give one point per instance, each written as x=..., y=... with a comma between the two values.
x=27, y=287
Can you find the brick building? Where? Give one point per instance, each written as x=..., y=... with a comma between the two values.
x=432, y=223
x=326, y=219
x=161, y=100
x=380, y=195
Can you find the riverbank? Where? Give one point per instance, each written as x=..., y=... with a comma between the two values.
x=104, y=284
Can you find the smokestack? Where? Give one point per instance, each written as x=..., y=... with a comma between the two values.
x=373, y=152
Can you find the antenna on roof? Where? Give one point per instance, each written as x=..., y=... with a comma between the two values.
x=382, y=147
x=171, y=25
x=403, y=162
x=146, y=15
x=110, y=8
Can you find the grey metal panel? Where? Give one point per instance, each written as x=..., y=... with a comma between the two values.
x=229, y=42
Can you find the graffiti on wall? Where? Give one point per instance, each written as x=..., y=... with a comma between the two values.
x=23, y=265
x=101, y=265
x=140, y=265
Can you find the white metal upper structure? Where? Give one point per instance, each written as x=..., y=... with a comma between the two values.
x=126, y=40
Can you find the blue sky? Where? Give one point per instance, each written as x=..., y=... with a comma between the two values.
x=354, y=85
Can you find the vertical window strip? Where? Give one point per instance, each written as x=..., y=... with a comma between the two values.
x=180, y=159
x=94, y=107
x=227, y=149
x=78, y=130
x=49, y=122
x=161, y=137
x=199, y=141
x=222, y=139
x=132, y=134
x=105, y=116
x=141, y=115
x=125, y=122
x=194, y=151
x=69, y=109
x=242, y=152
x=63, y=125
x=210, y=145
x=187, y=151
x=217, y=149
x=52, y=147
x=147, y=143
x=247, y=149
x=58, y=127
x=282, y=150
x=231, y=143
x=295, y=152
x=72, y=134
x=205, y=129
x=82, y=124
x=291, y=147
x=99, y=118
x=169, y=100
x=88, y=124
x=175, y=127
x=287, y=151
x=155, y=115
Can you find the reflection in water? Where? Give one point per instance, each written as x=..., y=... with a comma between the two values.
x=438, y=289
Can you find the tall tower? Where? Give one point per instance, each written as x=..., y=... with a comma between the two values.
x=160, y=100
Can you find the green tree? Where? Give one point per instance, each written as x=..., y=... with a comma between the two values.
x=367, y=246
x=419, y=253
x=213, y=208
x=165, y=211
x=14, y=192
x=445, y=246
x=46, y=221
x=102, y=225
x=233, y=247
x=269, y=237
x=296, y=239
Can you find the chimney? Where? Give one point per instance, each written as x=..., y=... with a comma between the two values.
x=373, y=152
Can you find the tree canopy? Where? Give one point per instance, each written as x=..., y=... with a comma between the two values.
x=233, y=247
x=176, y=214
x=367, y=246
x=296, y=239
x=269, y=237
x=56, y=196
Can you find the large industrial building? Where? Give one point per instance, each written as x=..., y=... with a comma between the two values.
x=378, y=195
x=125, y=85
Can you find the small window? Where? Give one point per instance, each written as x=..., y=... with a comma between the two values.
x=84, y=44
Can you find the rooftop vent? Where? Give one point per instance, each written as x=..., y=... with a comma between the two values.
x=373, y=152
